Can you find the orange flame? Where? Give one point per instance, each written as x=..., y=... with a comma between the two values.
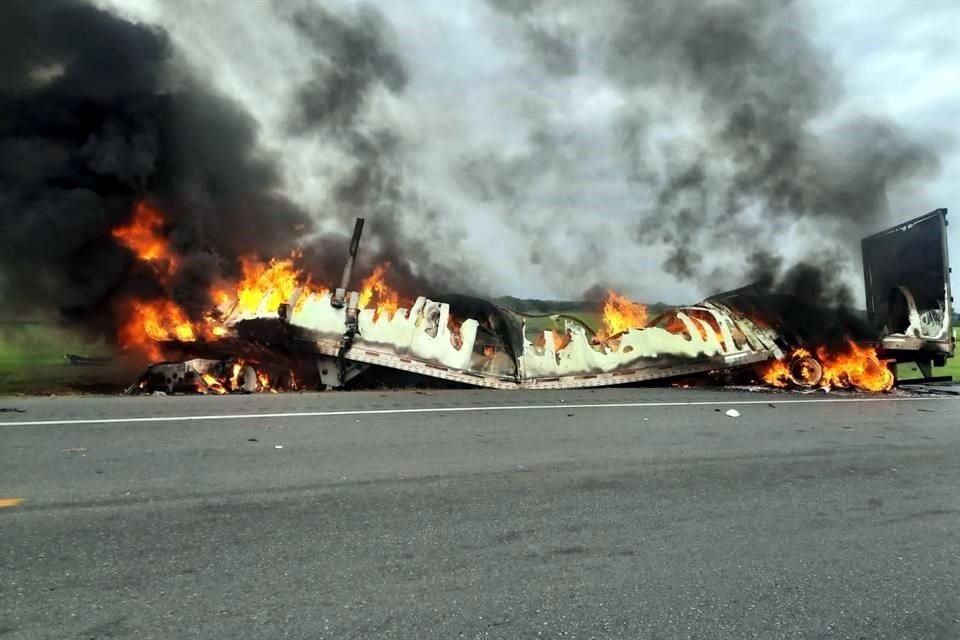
x=619, y=315
x=232, y=379
x=213, y=384
x=269, y=283
x=857, y=366
x=851, y=366
x=221, y=295
x=263, y=287
x=143, y=236
x=561, y=339
x=776, y=373
x=235, y=375
x=149, y=321
x=275, y=281
x=215, y=330
x=454, y=324
x=375, y=289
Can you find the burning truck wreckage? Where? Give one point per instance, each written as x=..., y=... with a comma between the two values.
x=276, y=330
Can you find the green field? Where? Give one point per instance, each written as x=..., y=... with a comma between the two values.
x=37, y=342
x=909, y=371
x=32, y=361
x=538, y=323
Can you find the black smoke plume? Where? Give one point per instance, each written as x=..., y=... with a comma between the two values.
x=357, y=58
x=769, y=149
x=97, y=114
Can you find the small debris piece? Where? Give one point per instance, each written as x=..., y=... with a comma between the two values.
x=78, y=360
x=12, y=410
x=75, y=450
x=733, y=413
x=252, y=440
x=278, y=446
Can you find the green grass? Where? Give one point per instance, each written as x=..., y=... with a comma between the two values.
x=32, y=360
x=541, y=323
x=909, y=371
x=43, y=343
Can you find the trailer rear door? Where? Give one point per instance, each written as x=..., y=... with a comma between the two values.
x=907, y=282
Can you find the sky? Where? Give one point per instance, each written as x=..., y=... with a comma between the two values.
x=519, y=161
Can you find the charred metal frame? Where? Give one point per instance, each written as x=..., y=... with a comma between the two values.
x=340, y=293
x=727, y=340
x=489, y=347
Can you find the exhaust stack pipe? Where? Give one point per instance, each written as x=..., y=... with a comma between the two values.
x=339, y=296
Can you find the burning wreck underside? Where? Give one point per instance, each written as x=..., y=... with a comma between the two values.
x=280, y=331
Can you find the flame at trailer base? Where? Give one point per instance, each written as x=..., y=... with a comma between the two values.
x=851, y=366
x=231, y=376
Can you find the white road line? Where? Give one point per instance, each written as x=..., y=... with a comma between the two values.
x=519, y=407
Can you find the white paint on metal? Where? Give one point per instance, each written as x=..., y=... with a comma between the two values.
x=635, y=345
x=421, y=332
x=420, y=340
x=433, y=340
x=315, y=312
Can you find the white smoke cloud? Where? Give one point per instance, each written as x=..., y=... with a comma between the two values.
x=475, y=93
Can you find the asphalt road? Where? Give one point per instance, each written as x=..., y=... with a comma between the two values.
x=477, y=514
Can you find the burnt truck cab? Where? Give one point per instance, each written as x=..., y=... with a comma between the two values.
x=906, y=276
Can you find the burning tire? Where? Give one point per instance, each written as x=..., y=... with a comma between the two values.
x=805, y=371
